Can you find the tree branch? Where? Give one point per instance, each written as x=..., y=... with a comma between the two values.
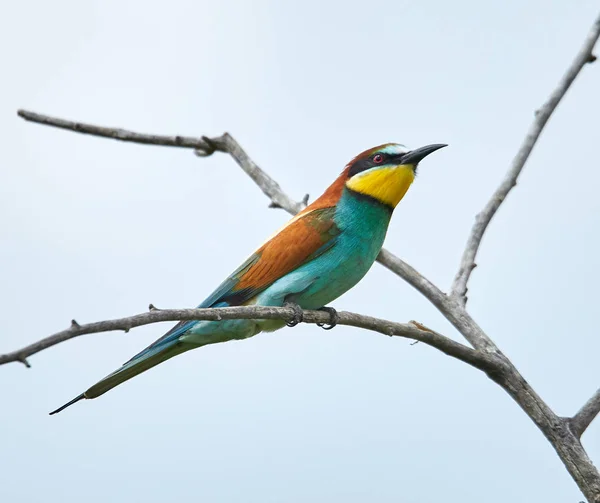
x=270, y=187
x=483, y=219
x=580, y=421
x=117, y=133
x=411, y=330
x=411, y=276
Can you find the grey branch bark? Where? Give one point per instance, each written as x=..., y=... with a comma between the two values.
x=412, y=330
x=563, y=433
x=117, y=133
x=585, y=416
x=203, y=146
x=279, y=199
x=483, y=219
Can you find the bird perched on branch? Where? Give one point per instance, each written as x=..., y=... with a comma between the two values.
x=317, y=256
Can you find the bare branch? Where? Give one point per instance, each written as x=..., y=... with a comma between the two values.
x=411, y=276
x=482, y=220
x=580, y=421
x=452, y=310
x=117, y=133
x=270, y=187
x=408, y=330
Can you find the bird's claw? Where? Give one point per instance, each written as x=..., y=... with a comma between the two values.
x=298, y=314
x=333, y=318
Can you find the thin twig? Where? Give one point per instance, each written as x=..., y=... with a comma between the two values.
x=482, y=220
x=411, y=276
x=408, y=330
x=117, y=133
x=279, y=199
x=580, y=421
x=203, y=146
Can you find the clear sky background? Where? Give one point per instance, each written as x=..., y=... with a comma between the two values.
x=94, y=229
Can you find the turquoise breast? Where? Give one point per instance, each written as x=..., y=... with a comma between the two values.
x=363, y=223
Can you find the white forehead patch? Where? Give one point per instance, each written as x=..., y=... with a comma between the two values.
x=394, y=149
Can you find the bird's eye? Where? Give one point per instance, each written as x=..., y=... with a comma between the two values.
x=378, y=159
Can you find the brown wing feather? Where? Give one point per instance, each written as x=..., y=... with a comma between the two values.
x=289, y=249
x=302, y=237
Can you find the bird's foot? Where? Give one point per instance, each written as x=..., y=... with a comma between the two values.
x=298, y=314
x=333, y=318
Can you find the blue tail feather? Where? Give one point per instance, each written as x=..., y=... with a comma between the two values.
x=145, y=360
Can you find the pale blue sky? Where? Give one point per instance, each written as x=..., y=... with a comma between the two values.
x=93, y=229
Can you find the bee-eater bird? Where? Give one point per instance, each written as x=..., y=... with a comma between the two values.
x=317, y=256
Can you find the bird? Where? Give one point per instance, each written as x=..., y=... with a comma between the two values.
x=320, y=254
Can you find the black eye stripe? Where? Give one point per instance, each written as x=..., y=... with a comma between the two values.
x=369, y=162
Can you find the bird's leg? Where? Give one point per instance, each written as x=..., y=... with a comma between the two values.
x=298, y=314
x=333, y=318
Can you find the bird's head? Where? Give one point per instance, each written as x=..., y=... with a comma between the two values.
x=385, y=172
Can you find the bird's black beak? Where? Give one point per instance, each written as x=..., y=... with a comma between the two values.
x=417, y=155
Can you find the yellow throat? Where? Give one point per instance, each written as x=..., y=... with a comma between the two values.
x=388, y=185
